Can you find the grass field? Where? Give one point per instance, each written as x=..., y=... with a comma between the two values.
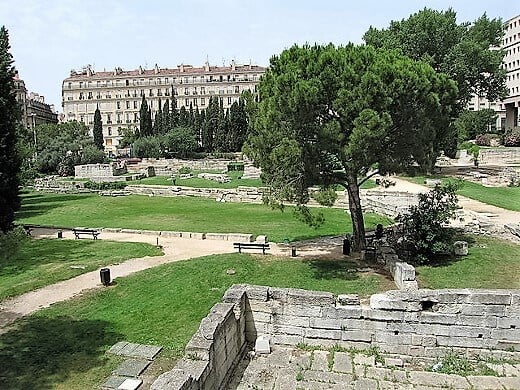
x=63, y=347
x=235, y=182
x=505, y=197
x=38, y=263
x=491, y=263
x=179, y=214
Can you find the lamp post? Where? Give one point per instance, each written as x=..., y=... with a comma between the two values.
x=33, y=122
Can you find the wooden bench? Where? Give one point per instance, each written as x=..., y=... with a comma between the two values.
x=250, y=245
x=77, y=232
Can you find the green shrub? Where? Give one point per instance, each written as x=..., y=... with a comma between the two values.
x=184, y=170
x=485, y=139
x=512, y=137
x=424, y=226
x=10, y=242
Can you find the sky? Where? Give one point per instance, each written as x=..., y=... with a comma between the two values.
x=50, y=37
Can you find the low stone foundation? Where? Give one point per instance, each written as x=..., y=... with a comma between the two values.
x=413, y=324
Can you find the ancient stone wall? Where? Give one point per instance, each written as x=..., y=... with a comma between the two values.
x=389, y=203
x=213, y=351
x=167, y=167
x=421, y=323
x=499, y=156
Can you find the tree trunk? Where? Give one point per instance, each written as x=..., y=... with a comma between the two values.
x=356, y=214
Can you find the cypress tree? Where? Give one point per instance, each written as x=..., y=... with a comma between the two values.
x=145, y=121
x=9, y=159
x=98, y=130
x=166, y=119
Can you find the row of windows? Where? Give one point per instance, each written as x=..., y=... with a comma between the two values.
x=510, y=39
x=511, y=65
x=514, y=76
x=164, y=81
x=159, y=92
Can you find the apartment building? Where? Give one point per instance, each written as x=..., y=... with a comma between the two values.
x=511, y=46
x=118, y=93
x=34, y=109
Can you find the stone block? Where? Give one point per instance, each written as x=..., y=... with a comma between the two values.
x=465, y=342
x=364, y=360
x=302, y=310
x=131, y=367
x=235, y=293
x=508, y=323
x=257, y=293
x=262, y=345
x=482, y=320
x=365, y=384
x=170, y=234
x=381, y=373
x=342, y=362
x=323, y=334
x=394, y=362
x=342, y=312
x=390, y=338
x=510, y=383
x=261, y=239
x=383, y=315
x=347, y=299
x=130, y=384
x=314, y=298
x=453, y=296
x=217, y=236
x=197, y=236
x=387, y=302
x=460, y=248
x=130, y=231
x=477, y=310
x=357, y=335
x=506, y=334
x=437, y=318
x=484, y=382
x=325, y=323
x=436, y=379
x=285, y=339
x=320, y=361
x=294, y=330
x=278, y=294
x=291, y=321
x=490, y=297
x=239, y=237
x=151, y=232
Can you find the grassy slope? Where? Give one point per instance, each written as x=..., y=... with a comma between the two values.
x=505, y=197
x=491, y=263
x=39, y=263
x=63, y=346
x=178, y=214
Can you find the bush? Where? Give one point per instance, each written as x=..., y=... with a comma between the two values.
x=425, y=226
x=184, y=170
x=485, y=139
x=512, y=137
x=10, y=242
x=150, y=147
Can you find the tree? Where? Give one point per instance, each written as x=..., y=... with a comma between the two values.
x=148, y=146
x=469, y=124
x=238, y=126
x=181, y=141
x=158, y=127
x=425, y=225
x=9, y=115
x=467, y=53
x=336, y=115
x=98, y=130
x=145, y=119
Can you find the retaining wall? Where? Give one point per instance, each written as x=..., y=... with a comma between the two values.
x=421, y=323
x=499, y=156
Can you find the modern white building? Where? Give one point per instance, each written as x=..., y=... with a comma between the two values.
x=511, y=46
x=118, y=93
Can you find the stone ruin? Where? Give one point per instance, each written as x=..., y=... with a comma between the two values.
x=409, y=326
x=116, y=171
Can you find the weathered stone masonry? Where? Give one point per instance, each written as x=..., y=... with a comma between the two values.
x=417, y=324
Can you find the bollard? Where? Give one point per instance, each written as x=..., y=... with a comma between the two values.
x=346, y=246
x=293, y=251
x=104, y=273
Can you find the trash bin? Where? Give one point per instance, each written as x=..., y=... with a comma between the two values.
x=105, y=276
x=60, y=234
x=293, y=251
x=346, y=246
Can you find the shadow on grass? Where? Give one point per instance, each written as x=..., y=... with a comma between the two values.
x=40, y=352
x=449, y=259
x=334, y=269
x=38, y=204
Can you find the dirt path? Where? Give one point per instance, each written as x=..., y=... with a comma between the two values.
x=175, y=249
x=472, y=208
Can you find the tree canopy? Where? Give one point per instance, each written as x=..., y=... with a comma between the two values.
x=333, y=115
x=9, y=115
x=468, y=52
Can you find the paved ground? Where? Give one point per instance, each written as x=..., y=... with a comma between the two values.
x=294, y=369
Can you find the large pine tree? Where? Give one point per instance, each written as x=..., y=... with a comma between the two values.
x=9, y=114
x=98, y=130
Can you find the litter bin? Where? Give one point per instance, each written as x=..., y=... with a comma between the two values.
x=60, y=234
x=293, y=251
x=105, y=276
x=346, y=246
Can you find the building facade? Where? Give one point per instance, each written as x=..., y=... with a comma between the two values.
x=119, y=93
x=511, y=46
x=34, y=109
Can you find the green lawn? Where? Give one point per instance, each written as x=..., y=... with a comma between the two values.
x=63, y=347
x=178, y=214
x=505, y=197
x=235, y=182
x=491, y=263
x=38, y=263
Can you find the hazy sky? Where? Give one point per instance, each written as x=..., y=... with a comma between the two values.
x=50, y=37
